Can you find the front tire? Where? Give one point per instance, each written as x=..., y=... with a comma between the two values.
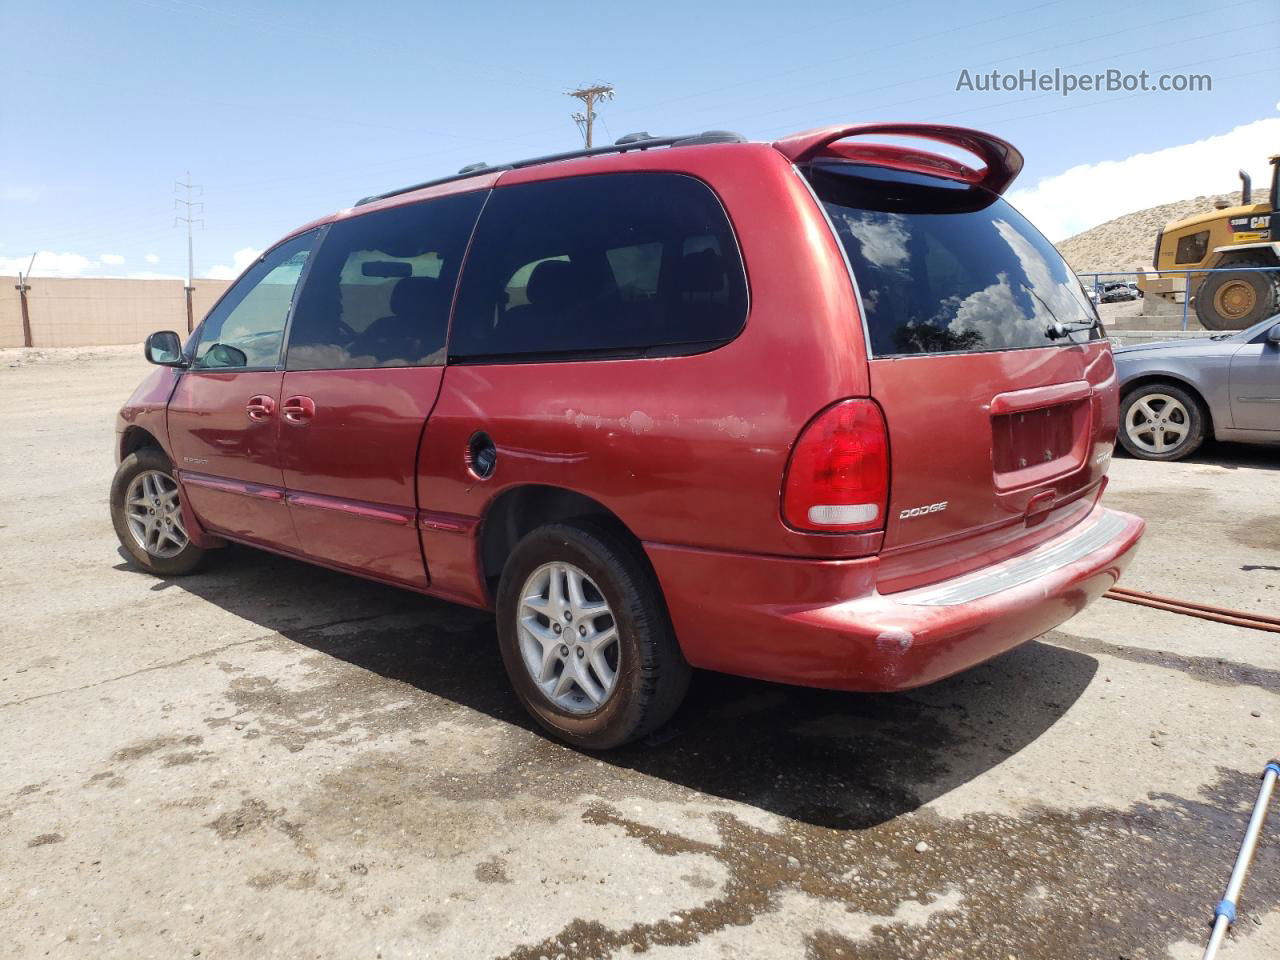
x=586, y=638
x=146, y=511
x=1236, y=301
x=1160, y=421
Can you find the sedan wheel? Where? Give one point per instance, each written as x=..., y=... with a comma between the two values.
x=1161, y=421
x=1157, y=423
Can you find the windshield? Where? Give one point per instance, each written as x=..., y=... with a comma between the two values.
x=943, y=267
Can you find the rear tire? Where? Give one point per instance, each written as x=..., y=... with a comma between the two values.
x=1234, y=301
x=146, y=514
x=645, y=677
x=1160, y=421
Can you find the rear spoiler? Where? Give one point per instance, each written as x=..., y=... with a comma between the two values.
x=1002, y=161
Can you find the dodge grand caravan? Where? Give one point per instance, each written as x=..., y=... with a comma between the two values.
x=825, y=411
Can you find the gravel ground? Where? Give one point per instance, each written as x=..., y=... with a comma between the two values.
x=272, y=760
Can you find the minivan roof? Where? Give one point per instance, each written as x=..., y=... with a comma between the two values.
x=632, y=141
x=1001, y=161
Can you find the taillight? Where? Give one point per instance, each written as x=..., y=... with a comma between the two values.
x=838, y=476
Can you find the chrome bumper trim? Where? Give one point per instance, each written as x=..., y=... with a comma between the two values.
x=1018, y=570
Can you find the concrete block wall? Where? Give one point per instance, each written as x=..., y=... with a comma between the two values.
x=92, y=311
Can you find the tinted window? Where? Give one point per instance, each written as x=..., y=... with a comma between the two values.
x=943, y=267
x=618, y=265
x=1192, y=248
x=246, y=327
x=379, y=291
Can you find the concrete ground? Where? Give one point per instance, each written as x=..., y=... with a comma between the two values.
x=272, y=760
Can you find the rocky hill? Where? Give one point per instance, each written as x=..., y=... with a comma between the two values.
x=1127, y=242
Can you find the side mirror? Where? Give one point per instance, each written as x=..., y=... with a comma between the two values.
x=1273, y=335
x=164, y=348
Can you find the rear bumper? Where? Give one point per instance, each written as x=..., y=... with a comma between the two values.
x=822, y=623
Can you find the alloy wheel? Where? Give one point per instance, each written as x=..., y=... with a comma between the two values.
x=154, y=513
x=1157, y=423
x=568, y=637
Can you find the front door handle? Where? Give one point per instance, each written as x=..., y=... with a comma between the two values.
x=299, y=410
x=260, y=408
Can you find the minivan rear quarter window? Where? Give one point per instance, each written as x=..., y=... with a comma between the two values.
x=612, y=265
x=944, y=267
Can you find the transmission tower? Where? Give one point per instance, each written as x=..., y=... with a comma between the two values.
x=189, y=208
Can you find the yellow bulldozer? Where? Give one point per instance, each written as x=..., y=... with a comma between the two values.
x=1232, y=237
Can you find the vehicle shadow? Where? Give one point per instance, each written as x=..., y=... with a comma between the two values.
x=1230, y=456
x=1233, y=456
x=837, y=760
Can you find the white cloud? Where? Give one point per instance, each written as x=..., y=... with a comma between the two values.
x=240, y=259
x=1090, y=194
x=50, y=264
x=151, y=258
x=882, y=238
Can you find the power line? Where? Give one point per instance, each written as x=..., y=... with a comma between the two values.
x=589, y=97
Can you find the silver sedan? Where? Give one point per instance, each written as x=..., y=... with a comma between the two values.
x=1175, y=393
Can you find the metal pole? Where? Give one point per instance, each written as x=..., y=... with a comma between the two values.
x=22, y=288
x=190, y=221
x=191, y=263
x=1186, y=297
x=1225, y=913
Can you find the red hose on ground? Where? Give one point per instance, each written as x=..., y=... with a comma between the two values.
x=1205, y=611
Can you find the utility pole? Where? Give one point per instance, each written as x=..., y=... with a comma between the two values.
x=589, y=97
x=22, y=287
x=189, y=207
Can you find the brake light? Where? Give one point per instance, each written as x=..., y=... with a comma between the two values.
x=838, y=476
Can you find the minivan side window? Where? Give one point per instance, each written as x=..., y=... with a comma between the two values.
x=615, y=265
x=245, y=329
x=379, y=290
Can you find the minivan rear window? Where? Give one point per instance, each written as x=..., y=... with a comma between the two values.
x=612, y=265
x=944, y=267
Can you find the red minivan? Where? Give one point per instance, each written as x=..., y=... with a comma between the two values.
x=825, y=411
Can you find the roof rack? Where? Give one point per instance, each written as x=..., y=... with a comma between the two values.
x=632, y=141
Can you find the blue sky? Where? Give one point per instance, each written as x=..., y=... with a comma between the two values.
x=286, y=111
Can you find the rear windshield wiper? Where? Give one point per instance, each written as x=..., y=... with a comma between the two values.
x=1057, y=330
